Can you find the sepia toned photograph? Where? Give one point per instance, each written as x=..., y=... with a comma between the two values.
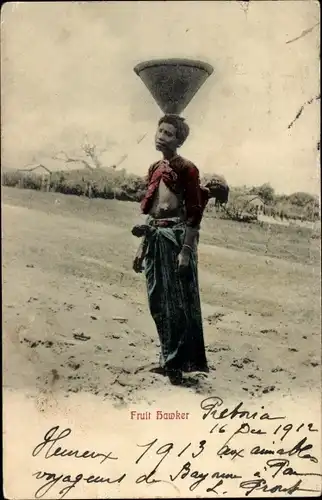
x=161, y=239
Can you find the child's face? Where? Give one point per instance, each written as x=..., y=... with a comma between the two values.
x=166, y=137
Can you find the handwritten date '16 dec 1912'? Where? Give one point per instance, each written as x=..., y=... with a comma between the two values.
x=213, y=407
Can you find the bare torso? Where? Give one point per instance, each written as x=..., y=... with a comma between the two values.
x=165, y=203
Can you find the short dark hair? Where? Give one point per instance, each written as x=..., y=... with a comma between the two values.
x=182, y=128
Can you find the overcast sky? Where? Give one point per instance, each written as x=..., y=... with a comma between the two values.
x=67, y=71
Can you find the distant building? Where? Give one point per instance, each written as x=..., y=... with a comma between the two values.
x=251, y=202
x=58, y=164
x=38, y=169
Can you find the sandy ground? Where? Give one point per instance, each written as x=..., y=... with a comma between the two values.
x=76, y=325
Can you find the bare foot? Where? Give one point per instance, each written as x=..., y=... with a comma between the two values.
x=175, y=377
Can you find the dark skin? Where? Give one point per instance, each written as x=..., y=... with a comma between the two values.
x=167, y=143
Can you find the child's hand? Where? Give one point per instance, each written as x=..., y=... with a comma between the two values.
x=138, y=262
x=183, y=261
x=141, y=230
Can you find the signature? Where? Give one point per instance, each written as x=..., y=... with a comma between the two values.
x=261, y=485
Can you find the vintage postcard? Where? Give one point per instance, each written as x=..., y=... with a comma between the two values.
x=161, y=249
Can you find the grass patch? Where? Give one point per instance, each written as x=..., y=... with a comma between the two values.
x=292, y=243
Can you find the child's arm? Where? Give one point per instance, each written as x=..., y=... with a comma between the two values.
x=139, y=257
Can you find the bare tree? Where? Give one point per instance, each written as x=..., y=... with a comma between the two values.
x=94, y=153
x=62, y=155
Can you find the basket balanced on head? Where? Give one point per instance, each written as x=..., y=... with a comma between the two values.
x=174, y=203
x=173, y=82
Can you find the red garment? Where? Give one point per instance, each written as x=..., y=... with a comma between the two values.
x=181, y=177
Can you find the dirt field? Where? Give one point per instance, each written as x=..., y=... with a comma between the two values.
x=76, y=316
x=78, y=340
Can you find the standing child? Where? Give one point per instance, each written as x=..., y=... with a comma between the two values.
x=174, y=202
